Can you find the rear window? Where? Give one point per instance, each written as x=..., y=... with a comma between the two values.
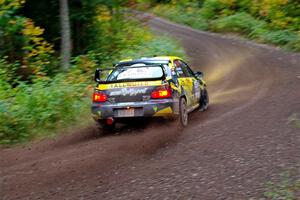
x=164, y=63
x=135, y=72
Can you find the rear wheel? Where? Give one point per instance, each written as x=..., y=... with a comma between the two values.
x=183, y=113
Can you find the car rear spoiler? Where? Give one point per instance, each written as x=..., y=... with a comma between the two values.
x=99, y=71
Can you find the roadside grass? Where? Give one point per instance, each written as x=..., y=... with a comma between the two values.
x=287, y=188
x=239, y=22
x=189, y=17
x=31, y=110
x=294, y=120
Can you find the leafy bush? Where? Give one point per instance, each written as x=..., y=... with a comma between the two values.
x=280, y=14
x=212, y=8
x=187, y=16
x=239, y=22
x=276, y=22
x=137, y=41
x=43, y=105
x=22, y=42
x=256, y=29
x=7, y=71
x=156, y=46
x=295, y=45
x=280, y=37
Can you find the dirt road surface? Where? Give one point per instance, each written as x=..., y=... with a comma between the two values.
x=228, y=152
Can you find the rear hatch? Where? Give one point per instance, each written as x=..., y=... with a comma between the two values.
x=129, y=91
x=133, y=83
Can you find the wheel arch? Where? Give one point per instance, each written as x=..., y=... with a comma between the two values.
x=183, y=96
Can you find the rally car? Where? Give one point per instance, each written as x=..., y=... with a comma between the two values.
x=148, y=87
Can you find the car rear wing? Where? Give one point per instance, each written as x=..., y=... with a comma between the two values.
x=101, y=75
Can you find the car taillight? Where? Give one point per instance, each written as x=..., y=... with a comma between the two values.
x=162, y=92
x=99, y=97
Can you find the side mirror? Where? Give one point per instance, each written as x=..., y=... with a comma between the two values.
x=97, y=75
x=199, y=74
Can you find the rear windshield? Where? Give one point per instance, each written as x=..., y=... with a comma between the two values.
x=135, y=72
x=163, y=63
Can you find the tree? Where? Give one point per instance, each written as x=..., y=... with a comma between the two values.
x=65, y=35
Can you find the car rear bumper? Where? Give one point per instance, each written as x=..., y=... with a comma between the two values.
x=154, y=108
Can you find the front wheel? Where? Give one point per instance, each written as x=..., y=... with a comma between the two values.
x=183, y=113
x=204, y=101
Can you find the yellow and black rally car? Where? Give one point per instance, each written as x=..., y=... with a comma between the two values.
x=147, y=87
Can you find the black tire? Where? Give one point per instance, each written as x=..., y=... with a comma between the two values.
x=204, y=101
x=183, y=113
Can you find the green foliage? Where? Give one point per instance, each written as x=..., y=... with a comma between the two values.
x=35, y=98
x=239, y=22
x=256, y=29
x=269, y=21
x=294, y=45
x=120, y=38
x=44, y=105
x=21, y=42
x=156, y=46
x=187, y=16
x=7, y=71
x=137, y=41
x=280, y=37
x=212, y=8
x=281, y=14
x=84, y=19
x=10, y=27
x=285, y=189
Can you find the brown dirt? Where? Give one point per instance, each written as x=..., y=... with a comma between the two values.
x=228, y=152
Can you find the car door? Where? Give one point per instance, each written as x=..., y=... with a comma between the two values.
x=193, y=83
x=187, y=81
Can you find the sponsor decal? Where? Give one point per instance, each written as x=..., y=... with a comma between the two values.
x=196, y=89
x=128, y=91
x=128, y=84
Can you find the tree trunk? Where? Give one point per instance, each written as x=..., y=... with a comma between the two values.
x=65, y=53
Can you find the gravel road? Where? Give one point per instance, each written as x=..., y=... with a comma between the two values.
x=228, y=152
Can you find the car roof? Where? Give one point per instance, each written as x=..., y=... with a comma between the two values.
x=148, y=60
